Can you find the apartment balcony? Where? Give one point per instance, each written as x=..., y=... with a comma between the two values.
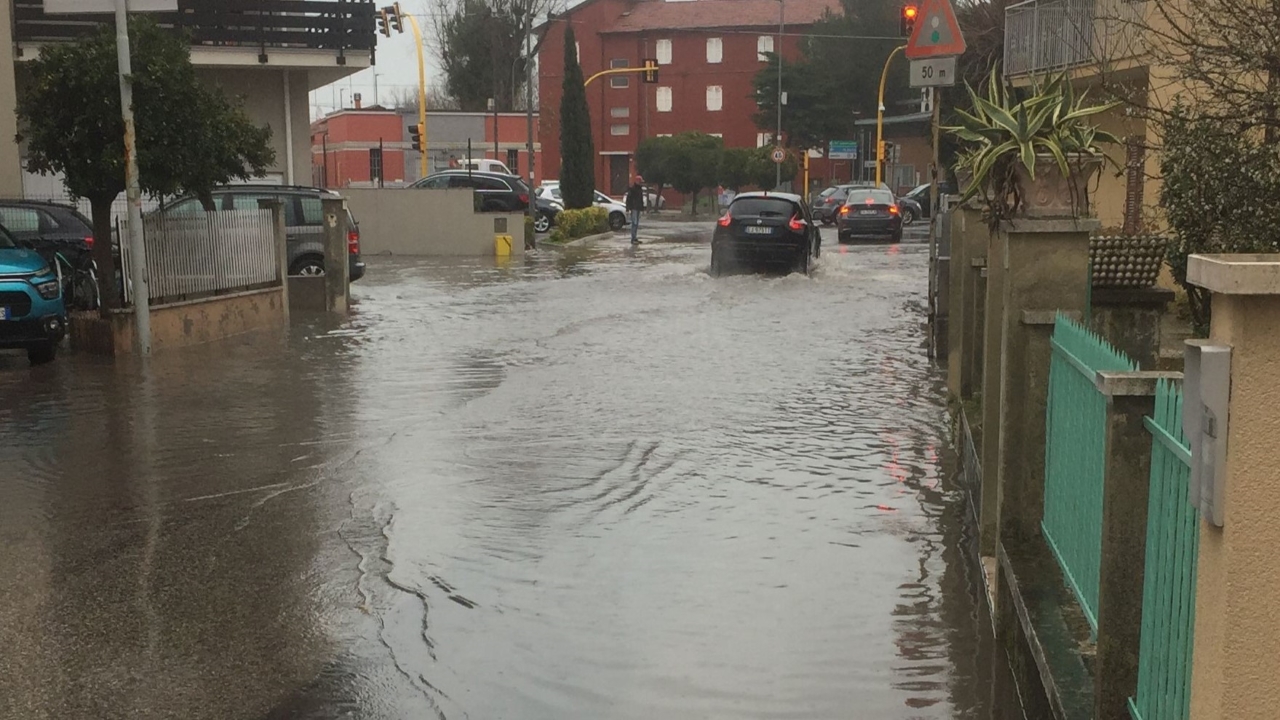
x=1052, y=35
x=297, y=33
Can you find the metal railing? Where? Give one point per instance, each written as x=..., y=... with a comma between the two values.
x=1169, y=579
x=970, y=467
x=337, y=25
x=1075, y=456
x=194, y=256
x=1050, y=35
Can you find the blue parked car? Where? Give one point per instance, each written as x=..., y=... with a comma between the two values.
x=32, y=315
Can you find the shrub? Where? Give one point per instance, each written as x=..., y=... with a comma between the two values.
x=1219, y=195
x=573, y=224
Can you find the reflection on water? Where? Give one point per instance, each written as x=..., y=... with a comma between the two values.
x=599, y=484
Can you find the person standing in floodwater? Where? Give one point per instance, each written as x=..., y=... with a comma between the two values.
x=635, y=207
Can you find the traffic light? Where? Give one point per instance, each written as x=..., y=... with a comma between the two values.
x=908, y=20
x=650, y=74
x=397, y=18
x=416, y=132
x=383, y=25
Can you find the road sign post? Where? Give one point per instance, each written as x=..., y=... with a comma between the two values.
x=936, y=33
x=779, y=155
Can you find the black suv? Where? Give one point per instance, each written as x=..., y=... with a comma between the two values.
x=494, y=192
x=303, y=219
x=765, y=228
x=47, y=226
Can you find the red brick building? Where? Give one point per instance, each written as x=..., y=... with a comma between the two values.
x=708, y=52
x=349, y=147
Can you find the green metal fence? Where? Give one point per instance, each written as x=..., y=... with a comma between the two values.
x=1169, y=581
x=1074, y=456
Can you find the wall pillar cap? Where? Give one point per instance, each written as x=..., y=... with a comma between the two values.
x=1021, y=226
x=1236, y=274
x=1131, y=384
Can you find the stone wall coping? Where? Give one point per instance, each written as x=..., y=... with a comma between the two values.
x=206, y=299
x=1241, y=274
x=1018, y=226
x=1131, y=384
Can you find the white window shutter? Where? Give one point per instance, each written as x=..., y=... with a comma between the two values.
x=764, y=44
x=715, y=97
x=664, y=52
x=664, y=99
x=715, y=50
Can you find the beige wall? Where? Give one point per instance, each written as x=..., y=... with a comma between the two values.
x=10, y=170
x=184, y=324
x=1237, y=637
x=263, y=92
x=400, y=221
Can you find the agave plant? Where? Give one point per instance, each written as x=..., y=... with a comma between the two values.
x=1003, y=132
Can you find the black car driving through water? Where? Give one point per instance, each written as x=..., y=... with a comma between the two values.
x=764, y=229
x=869, y=214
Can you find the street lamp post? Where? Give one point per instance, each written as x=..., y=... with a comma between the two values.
x=777, y=137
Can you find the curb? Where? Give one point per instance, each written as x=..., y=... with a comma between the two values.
x=580, y=242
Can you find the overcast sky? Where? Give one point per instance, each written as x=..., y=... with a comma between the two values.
x=397, y=66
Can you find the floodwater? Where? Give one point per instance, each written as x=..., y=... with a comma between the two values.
x=597, y=485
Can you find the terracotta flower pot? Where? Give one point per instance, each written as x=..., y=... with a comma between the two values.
x=1051, y=194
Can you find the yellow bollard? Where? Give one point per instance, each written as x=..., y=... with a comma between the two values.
x=502, y=246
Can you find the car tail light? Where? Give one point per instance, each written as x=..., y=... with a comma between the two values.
x=524, y=198
x=353, y=242
x=844, y=209
x=796, y=223
x=88, y=242
x=893, y=209
x=725, y=220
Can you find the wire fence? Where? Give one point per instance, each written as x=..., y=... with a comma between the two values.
x=1050, y=35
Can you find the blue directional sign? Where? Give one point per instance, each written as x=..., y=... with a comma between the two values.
x=843, y=150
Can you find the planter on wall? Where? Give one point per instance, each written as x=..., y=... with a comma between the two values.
x=1126, y=261
x=1051, y=194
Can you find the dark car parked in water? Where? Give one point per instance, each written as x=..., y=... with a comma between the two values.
x=870, y=214
x=773, y=230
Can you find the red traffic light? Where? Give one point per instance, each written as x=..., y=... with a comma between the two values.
x=907, y=20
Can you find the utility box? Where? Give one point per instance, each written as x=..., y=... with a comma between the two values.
x=1206, y=405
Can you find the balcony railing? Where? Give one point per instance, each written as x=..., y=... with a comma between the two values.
x=335, y=25
x=1049, y=35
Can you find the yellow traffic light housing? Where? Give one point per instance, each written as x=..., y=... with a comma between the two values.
x=907, y=23
x=416, y=133
x=384, y=25
x=650, y=70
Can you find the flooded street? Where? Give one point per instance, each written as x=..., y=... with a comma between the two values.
x=598, y=484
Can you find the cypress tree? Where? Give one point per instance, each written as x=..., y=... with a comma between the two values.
x=577, y=161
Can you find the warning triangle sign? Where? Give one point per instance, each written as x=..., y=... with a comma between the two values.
x=936, y=33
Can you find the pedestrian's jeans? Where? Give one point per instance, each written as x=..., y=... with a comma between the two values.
x=635, y=225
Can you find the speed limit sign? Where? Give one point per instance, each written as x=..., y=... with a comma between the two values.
x=779, y=155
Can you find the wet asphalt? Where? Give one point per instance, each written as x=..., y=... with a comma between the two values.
x=596, y=484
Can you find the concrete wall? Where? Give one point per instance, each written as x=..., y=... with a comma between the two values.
x=10, y=171
x=263, y=92
x=184, y=324
x=397, y=221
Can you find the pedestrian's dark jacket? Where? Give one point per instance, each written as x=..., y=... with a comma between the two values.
x=635, y=197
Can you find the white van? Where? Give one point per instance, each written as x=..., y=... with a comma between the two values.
x=482, y=165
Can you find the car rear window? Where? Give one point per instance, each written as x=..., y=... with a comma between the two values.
x=883, y=197
x=763, y=207
x=20, y=219
x=827, y=193
x=6, y=240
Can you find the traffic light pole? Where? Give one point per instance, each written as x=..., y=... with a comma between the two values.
x=422, y=94
x=884, y=76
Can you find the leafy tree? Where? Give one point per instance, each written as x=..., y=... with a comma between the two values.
x=837, y=78
x=481, y=44
x=1219, y=195
x=190, y=137
x=652, y=158
x=736, y=168
x=694, y=163
x=577, y=152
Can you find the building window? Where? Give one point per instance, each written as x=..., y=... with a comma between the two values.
x=620, y=112
x=619, y=81
x=715, y=98
x=764, y=44
x=718, y=135
x=763, y=139
x=513, y=160
x=619, y=129
x=375, y=166
x=577, y=50
x=715, y=50
x=664, y=52
x=664, y=134
x=664, y=99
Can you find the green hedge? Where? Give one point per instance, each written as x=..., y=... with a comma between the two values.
x=574, y=224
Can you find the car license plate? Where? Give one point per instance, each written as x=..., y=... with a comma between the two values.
x=759, y=230
x=4, y=313
x=868, y=212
